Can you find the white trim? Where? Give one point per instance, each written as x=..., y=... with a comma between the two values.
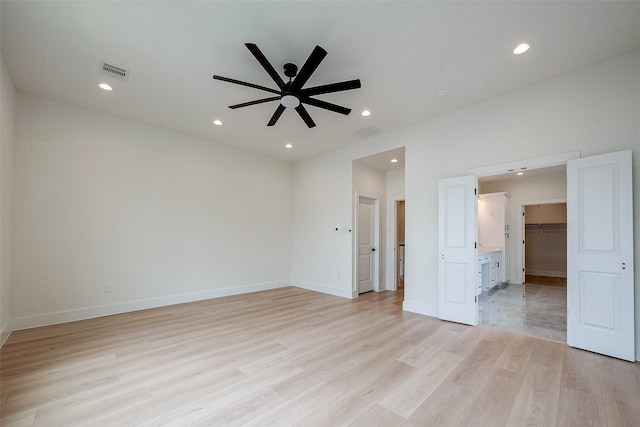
x=638, y=353
x=26, y=322
x=5, y=332
x=547, y=273
x=416, y=307
x=327, y=289
x=534, y=163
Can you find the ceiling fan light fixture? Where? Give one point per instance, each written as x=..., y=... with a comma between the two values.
x=289, y=101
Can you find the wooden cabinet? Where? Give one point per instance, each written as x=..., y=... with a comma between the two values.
x=494, y=233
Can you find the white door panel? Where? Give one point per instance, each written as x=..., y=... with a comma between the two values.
x=366, y=242
x=600, y=291
x=458, y=211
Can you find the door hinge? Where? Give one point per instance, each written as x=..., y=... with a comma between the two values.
x=476, y=298
x=475, y=191
x=523, y=242
x=475, y=245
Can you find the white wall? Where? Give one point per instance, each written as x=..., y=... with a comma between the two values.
x=523, y=190
x=7, y=135
x=155, y=216
x=594, y=110
x=372, y=183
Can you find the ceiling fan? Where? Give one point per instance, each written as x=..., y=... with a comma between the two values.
x=291, y=94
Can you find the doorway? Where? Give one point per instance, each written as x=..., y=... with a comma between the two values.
x=538, y=224
x=600, y=291
x=400, y=249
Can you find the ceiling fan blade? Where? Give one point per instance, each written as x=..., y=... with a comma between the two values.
x=333, y=87
x=238, y=82
x=316, y=57
x=257, y=101
x=304, y=115
x=265, y=64
x=276, y=115
x=327, y=106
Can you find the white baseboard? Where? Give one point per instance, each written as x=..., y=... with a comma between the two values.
x=53, y=318
x=638, y=353
x=5, y=332
x=546, y=273
x=326, y=289
x=416, y=307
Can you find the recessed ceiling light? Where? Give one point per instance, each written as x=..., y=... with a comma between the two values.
x=521, y=48
x=520, y=173
x=217, y=122
x=394, y=160
x=366, y=113
x=289, y=146
x=105, y=86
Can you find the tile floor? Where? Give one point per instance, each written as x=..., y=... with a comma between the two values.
x=536, y=310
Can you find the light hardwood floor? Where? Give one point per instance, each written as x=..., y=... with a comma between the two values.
x=295, y=357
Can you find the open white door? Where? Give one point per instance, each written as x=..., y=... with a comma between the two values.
x=600, y=295
x=458, y=235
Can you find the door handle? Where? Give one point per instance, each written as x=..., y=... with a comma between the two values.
x=373, y=249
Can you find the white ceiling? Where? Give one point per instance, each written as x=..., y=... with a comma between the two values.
x=403, y=52
x=551, y=170
x=383, y=161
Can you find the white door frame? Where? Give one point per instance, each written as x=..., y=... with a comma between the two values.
x=376, y=230
x=520, y=254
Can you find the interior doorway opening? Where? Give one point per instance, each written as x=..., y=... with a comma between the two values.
x=381, y=177
x=532, y=298
x=400, y=249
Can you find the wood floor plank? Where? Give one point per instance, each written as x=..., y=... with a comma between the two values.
x=378, y=416
x=362, y=396
x=442, y=407
x=577, y=408
x=580, y=372
x=517, y=354
x=474, y=368
x=492, y=402
x=536, y=403
x=293, y=411
x=408, y=396
x=621, y=389
x=290, y=356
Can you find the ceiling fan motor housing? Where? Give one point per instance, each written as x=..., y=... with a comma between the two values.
x=290, y=70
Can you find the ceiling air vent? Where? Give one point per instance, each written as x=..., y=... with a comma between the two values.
x=113, y=71
x=368, y=131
